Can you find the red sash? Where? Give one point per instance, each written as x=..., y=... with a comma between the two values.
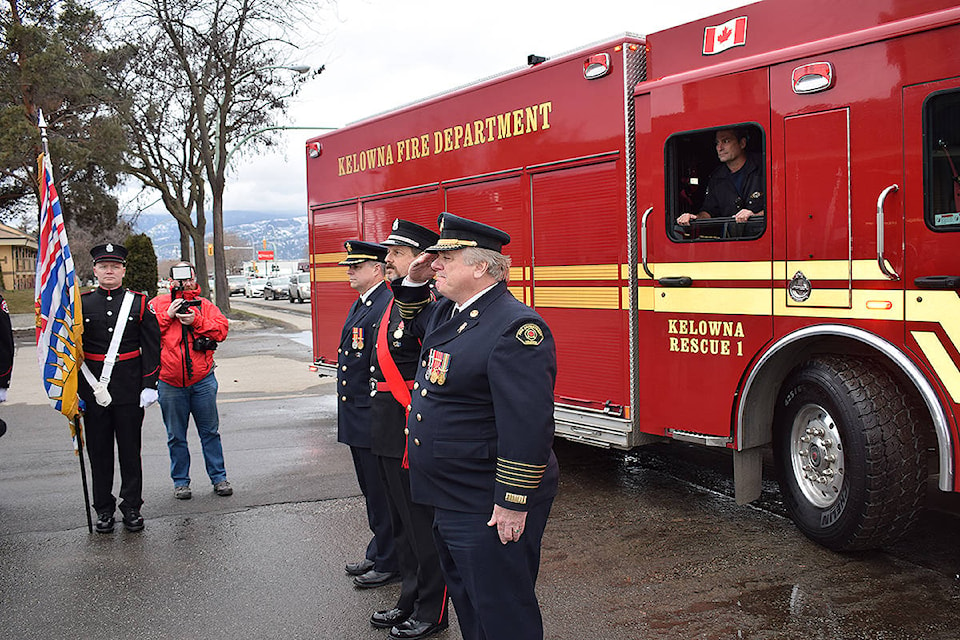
x=398, y=386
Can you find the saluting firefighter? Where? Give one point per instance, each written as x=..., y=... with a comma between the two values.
x=421, y=609
x=481, y=428
x=365, y=271
x=121, y=344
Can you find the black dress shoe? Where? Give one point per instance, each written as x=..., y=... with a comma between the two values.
x=374, y=578
x=388, y=618
x=359, y=568
x=105, y=522
x=412, y=629
x=132, y=520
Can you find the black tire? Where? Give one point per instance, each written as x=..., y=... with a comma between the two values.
x=848, y=445
x=292, y=300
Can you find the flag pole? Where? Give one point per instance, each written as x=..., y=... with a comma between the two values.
x=76, y=422
x=78, y=429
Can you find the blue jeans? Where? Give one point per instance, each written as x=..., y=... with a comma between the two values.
x=176, y=405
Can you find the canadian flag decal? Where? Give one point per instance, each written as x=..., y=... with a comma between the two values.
x=732, y=33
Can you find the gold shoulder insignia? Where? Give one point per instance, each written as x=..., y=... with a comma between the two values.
x=530, y=334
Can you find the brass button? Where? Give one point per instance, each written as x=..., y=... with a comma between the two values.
x=372, y=369
x=419, y=418
x=416, y=385
x=406, y=432
x=344, y=398
x=424, y=393
x=343, y=368
x=423, y=363
x=409, y=406
x=344, y=383
x=416, y=441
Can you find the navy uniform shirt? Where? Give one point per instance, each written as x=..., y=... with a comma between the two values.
x=481, y=423
x=353, y=367
x=138, y=360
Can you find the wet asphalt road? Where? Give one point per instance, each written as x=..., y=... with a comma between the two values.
x=646, y=544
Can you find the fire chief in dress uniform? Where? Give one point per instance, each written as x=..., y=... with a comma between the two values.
x=421, y=609
x=365, y=270
x=114, y=400
x=481, y=428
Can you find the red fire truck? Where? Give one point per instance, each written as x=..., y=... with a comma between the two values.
x=826, y=329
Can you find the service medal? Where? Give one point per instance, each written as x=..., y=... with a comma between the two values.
x=399, y=332
x=357, y=338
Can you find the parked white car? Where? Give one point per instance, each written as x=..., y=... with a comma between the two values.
x=254, y=288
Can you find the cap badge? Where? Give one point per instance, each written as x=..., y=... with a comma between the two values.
x=396, y=223
x=109, y=248
x=349, y=248
x=530, y=334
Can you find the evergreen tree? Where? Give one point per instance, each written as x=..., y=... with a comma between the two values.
x=141, y=265
x=55, y=56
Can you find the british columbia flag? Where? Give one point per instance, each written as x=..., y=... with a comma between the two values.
x=57, y=301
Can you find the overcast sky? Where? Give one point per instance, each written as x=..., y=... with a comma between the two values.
x=381, y=54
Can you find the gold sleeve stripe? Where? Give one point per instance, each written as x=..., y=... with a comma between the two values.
x=519, y=485
x=409, y=310
x=514, y=463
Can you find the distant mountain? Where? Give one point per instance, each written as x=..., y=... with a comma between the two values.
x=284, y=231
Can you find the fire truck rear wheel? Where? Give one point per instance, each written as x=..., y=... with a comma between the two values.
x=848, y=444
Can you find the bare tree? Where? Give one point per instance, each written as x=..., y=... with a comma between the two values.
x=227, y=61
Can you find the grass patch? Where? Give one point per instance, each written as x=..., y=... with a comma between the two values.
x=20, y=301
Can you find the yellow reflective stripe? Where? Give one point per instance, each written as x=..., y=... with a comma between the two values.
x=858, y=310
x=731, y=301
x=578, y=297
x=337, y=256
x=940, y=360
x=329, y=274
x=578, y=272
x=942, y=307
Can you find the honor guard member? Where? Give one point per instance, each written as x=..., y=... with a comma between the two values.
x=421, y=609
x=366, y=271
x=6, y=355
x=121, y=344
x=481, y=428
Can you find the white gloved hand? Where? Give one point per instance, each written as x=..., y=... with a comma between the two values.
x=3, y=394
x=148, y=397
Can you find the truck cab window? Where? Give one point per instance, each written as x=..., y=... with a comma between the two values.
x=716, y=185
x=941, y=124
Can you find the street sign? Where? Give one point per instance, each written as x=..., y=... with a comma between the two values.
x=264, y=255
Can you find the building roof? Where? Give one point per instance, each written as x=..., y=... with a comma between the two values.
x=10, y=236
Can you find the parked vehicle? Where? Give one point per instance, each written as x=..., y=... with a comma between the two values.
x=299, y=289
x=823, y=327
x=276, y=288
x=237, y=284
x=254, y=288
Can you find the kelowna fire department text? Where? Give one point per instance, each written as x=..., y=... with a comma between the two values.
x=501, y=126
x=705, y=337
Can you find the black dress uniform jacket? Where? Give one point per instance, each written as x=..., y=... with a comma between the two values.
x=6, y=345
x=389, y=440
x=353, y=367
x=138, y=361
x=481, y=424
x=724, y=200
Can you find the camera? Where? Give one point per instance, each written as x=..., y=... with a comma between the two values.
x=186, y=304
x=203, y=343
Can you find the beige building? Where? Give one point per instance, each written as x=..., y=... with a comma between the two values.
x=18, y=258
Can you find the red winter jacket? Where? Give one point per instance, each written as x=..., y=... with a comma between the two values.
x=209, y=322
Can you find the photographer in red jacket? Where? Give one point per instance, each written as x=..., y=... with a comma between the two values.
x=191, y=327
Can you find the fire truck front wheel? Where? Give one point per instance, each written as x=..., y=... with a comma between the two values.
x=849, y=453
